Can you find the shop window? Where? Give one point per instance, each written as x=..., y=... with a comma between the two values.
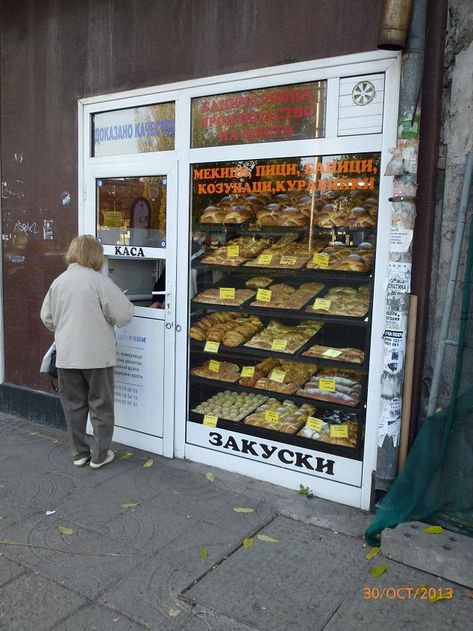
x=134, y=130
x=281, y=313
x=290, y=112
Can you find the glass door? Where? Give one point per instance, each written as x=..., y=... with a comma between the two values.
x=132, y=210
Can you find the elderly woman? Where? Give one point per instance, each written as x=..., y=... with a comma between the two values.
x=82, y=307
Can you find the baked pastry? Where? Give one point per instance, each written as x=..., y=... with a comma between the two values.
x=237, y=215
x=227, y=371
x=350, y=355
x=345, y=387
x=232, y=406
x=290, y=417
x=248, y=248
x=212, y=214
x=360, y=217
x=212, y=297
x=215, y=327
x=291, y=337
x=323, y=434
x=344, y=301
x=259, y=282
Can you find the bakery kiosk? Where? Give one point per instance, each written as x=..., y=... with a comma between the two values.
x=275, y=297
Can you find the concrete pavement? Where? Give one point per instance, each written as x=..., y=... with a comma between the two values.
x=132, y=547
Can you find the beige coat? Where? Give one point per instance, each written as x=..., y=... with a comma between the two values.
x=81, y=307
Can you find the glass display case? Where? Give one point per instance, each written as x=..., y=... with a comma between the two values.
x=280, y=318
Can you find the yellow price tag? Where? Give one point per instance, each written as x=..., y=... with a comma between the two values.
x=332, y=352
x=271, y=416
x=263, y=295
x=247, y=371
x=210, y=421
x=339, y=431
x=315, y=424
x=321, y=260
x=233, y=251
x=322, y=304
x=214, y=366
x=277, y=375
x=279, y=345
x=227, y=293
x=327, y=384
x=265, y=259
x=288, y=260
x=211, y=347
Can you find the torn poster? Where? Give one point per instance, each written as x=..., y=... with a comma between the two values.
x=390, y=421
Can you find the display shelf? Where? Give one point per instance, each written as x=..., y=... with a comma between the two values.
x=236, y=387
x=281, y=314
x=258, y=353
x=301, y=274
x=247, y=228
x=354, y=453
x=254, y=354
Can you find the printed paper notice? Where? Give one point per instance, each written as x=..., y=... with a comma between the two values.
x=401, y=239
x=394, y=349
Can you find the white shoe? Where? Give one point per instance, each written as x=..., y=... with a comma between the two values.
x=108, y=458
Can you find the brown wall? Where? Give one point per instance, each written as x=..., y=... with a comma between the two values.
x=54, y=52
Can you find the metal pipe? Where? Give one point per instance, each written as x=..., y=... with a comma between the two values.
x=454, y=264
x=413, y=66
x=392, y=32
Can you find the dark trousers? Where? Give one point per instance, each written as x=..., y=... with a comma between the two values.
x=82, y=391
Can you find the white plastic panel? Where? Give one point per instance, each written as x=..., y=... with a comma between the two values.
x=361, y=105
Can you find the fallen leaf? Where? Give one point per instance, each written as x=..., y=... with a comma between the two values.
x=64, y=530
x=130, y=505
x=55, y=441
x=372, y=553
x=210, y=476
x=2, y=517
x=35, y=433
x=244, y=510
x=267, y=539
x=203, y=554
x=174, y=612
x=377, y=570
x=50, y=512
x=125, y=456
x=434, y=530
x=149, y=463
x=248, y=542
x=440, y=596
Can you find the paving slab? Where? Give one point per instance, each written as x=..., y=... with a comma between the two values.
x=35, y=602
x=152, y=588
x=97, y=618
x=445, y=554
x=9, y=570
x=296, y=583
x=82, y=560
x=398, y=600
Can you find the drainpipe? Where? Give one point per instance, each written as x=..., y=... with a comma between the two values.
x=2, y=327
x=403, y=166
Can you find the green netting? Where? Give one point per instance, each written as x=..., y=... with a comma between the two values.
x=436, y=482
